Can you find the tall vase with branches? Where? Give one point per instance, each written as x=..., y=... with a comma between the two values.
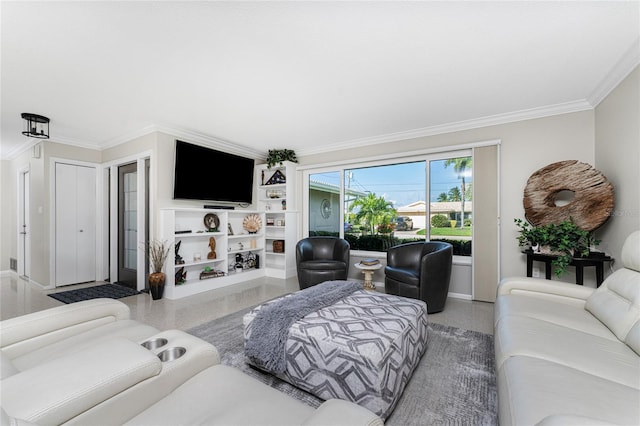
x=157, y=252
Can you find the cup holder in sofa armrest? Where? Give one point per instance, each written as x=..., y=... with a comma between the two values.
x=155, y=343
x=171, y=354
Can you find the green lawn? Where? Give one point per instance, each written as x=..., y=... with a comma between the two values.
x=448, y=232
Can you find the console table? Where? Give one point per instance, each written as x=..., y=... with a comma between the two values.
x=578, y=262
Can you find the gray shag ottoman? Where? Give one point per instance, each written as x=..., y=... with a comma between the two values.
x=363, y=348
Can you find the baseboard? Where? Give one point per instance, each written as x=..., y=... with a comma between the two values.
x=460, y=296
x=380, y=287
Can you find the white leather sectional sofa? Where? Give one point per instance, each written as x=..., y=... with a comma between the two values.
x=570, y=355
x=87, y=363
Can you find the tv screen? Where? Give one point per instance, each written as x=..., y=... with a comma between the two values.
x=207, y=174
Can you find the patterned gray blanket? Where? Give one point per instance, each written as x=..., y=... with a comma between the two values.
x=266, y=345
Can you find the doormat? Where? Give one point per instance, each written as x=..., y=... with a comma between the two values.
x=111, y=291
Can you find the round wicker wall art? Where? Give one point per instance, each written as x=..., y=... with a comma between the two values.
x=592, y=201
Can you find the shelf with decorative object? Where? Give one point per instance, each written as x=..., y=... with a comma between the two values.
x=275, y=195
x=206, y=247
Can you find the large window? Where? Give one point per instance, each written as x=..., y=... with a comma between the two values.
x=378, y=205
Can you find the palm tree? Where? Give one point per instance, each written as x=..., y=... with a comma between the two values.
x=454, y=194
x=443, y=197
x=460, y=166
x=372, y=210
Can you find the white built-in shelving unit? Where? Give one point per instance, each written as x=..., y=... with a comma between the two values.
x=276, y=198
x=186, y=227
x=239, y=254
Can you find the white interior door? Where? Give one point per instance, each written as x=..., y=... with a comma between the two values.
x=75, y=224
x=86, y=222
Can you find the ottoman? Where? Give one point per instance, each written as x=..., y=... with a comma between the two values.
x=362, y=348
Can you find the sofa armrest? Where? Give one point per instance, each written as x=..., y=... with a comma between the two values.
x=544, y=288
x=38, y=329
x=197, y=356
x=63, y=388
x=337, y=412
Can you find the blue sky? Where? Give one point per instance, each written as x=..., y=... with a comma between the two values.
x=403, y=183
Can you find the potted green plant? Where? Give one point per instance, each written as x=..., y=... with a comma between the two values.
x=279, y=156
x=157, y=252
x=565, y=240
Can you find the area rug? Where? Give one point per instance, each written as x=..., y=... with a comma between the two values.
x=454, y=383
x=111, y=291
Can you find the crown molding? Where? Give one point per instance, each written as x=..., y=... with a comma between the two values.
x=529, y=114
x=217, y=143
x=629, y=61
x=17, y=151
x=187, y=135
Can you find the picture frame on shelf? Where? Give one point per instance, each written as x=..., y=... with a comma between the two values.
x=277, y=178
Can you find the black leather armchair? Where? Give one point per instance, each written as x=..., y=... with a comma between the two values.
x=320, y=259
x=420, y=271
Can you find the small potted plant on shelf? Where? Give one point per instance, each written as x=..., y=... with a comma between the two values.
x=279, y=156
x=157, y=252
x=564, y=240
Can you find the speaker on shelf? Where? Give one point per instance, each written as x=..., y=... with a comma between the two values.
x=208, y=206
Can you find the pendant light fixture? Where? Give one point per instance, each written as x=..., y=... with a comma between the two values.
x=36, y=126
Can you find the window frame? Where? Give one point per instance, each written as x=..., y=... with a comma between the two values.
x=426, y=157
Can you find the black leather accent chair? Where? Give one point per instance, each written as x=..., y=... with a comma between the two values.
x=420, y=270
x=320, y=259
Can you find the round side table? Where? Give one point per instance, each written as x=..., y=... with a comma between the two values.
x=368, y=271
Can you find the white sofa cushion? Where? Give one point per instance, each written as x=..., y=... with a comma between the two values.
x=617, y=301
x=633, y=338
x=29, y=332
x=631, y=252
x=128, y=329
x=549, y=310
x=223, y=395
x=532, y=389
x=602, y=357
x=6, y=367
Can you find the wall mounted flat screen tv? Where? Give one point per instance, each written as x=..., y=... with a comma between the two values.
x=210, y=175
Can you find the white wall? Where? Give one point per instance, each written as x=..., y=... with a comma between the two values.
x=617, y=152
x=39, y=203
x=526, y=147
x=8, y=213
x=607, y=138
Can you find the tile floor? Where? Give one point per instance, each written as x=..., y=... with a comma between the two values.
x=18, y=297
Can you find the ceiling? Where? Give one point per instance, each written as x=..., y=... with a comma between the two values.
x=312, y=76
